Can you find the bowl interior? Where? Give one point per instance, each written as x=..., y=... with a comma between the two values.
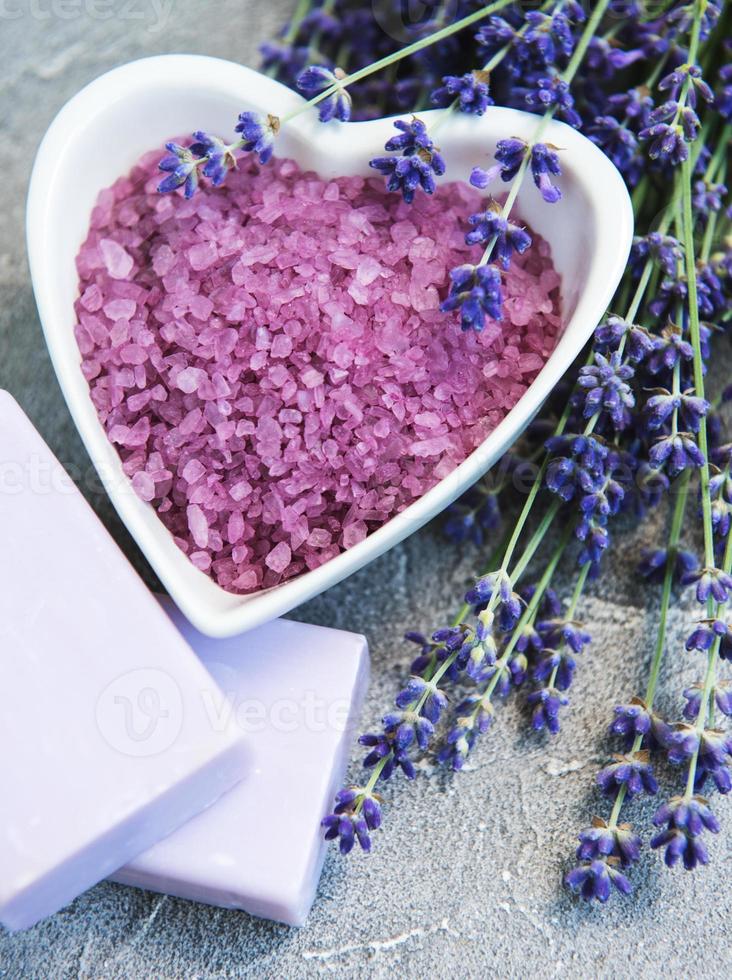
x=104, y=130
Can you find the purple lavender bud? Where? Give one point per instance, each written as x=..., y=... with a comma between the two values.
x=258, y=133
x=632, y=771
x=606, y=384
x=316, y=79
x=544, y=166
x=545, y=704
x=470, y=90
x=554, y=93
x=181, y=165
x=601, y=841
x=476, y=292
x=490, y=226
x=510, y=154
x=596, y=880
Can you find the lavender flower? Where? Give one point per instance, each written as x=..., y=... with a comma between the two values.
x=663, y=404
x=714, y=582
x=664, y=250
x=637, y=721
x=553, y=93
x=634, y=772
x=720, y=695
x=181, y=165
x=602, y=841
x=470, y=90
x=595, y=880
x=614, y=331
x=687, y=77
x=476, y=292
x=606, y=384
x=545, y=704
x=675, y=453
x=508, y=238
x=654, y=561
x=545, y=165
x=316, y=79
x=258, y=133
x=686, y=820
x=420, y=161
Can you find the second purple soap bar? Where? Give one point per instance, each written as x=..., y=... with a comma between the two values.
x=295, y=692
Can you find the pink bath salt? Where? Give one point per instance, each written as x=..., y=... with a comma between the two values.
x=120, y=309
x=201, y=559
x=271, y=364
x=235, y=527
x=198, y=525
x=279, y=557
x=281, y=346
x=367, y=270
x=190, y=379
x=247, y=581
x=201, y=307
x=133, y=354
x=241, y=490
x=193, y=470
x=354, y=533
x=92, y=299
x=311, y=378
x=144, y=485
x=430, y=447
x=319, y=538
x=429, y=420
x=202, y=256
x=163, y=260
x=116, y=258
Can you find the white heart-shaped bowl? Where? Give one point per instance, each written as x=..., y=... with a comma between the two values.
x=101, y=133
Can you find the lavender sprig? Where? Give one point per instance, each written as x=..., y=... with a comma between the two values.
x=476, y=293
x=605, y=846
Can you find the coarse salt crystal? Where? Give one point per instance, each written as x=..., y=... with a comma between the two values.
x=198, y=525
x=202, y=256
x=118, y=261
x=279, y=557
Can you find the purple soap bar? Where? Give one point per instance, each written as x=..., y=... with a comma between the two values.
x=105, y=743
x=295, y=691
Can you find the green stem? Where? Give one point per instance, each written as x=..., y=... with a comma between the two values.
x=579, y=586
x=720, y=154
x=530, y=612
x=674, y=537
x=709, y=679
x=297, y=18
x=687, y=173
x=588, y=33
x=698, y=363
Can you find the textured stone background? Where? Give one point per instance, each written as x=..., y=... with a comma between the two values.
x=464, y=880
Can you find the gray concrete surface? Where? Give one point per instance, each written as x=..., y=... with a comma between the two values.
x=464, y=879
